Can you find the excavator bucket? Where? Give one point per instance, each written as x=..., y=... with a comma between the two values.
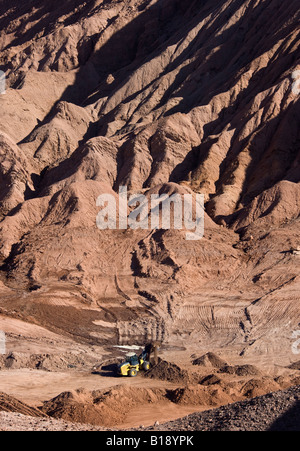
x=151, y=351
x=155, y=353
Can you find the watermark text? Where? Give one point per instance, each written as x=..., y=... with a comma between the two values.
x=296, y=344
x=2, y=343
x=167, y=212
x=2, y=83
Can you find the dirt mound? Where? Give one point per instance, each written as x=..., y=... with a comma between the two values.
x=211, y=379
x=103, y=408
x=108, y=408
x=241, y=370
x=11, y=404
x=295, y=366
x=209, y=360
x=200, y=396
x=287, y=381
x=78, y=406
x=167, y=371
x=259, y=387
x=278, y=411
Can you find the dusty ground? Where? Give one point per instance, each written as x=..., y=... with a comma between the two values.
x=278, y=412
x=19, y=422
x=273, y=412
x=77, y=383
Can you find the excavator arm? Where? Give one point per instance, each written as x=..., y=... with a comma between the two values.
x=151, y=349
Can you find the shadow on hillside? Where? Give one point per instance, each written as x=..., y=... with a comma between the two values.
x=132, y=46
x=46, y=14
x=164, y=24
x=289, y=421
x=125, y=51
x=167, y=23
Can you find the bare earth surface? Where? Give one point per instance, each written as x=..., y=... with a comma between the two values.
x=24, y=423
x=278, y=411
x=164, y=97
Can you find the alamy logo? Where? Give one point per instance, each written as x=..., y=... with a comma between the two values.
x=2, y=343
x=296, y=344
x=296, y=84
x=2, y=82
x=151, y=213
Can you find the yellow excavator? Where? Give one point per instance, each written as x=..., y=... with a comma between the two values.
x=135, y=363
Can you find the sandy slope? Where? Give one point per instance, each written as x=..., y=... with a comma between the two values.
x=273, y=412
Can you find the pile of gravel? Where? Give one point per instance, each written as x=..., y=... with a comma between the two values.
x=279, y=411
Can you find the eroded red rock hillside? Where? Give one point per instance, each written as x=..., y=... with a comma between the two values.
x=169, y=95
